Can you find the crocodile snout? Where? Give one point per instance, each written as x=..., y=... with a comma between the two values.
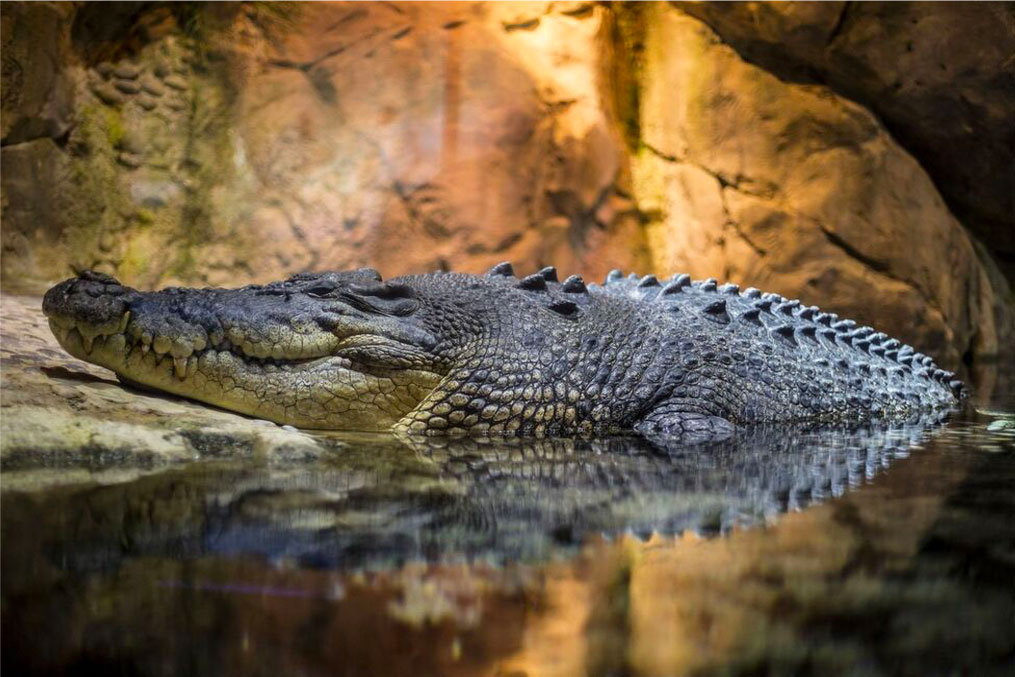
x=93, y=304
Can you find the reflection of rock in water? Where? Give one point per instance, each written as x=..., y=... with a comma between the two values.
x=376, y=504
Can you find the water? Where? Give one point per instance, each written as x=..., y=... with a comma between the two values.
x=874, y=550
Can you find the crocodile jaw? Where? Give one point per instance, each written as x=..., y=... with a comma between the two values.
x=276, y=365
x=326, y=392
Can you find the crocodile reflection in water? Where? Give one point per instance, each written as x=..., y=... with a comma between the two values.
x=371, y=504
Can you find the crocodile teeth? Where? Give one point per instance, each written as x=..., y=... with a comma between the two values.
x=181, y=348
x=58, y=330
x=87, y=340
x=162, y=345
x=116, y=343
x=180, y=367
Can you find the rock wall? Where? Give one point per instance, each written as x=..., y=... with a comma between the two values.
x=797, y=189
x=230, y=143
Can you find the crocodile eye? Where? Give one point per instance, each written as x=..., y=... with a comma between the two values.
x=320, y=291
x=380, y=304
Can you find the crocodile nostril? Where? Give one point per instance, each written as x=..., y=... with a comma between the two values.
x=93, y=276
x=91, y=299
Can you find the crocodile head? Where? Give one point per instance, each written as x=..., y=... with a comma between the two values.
x=332, y=350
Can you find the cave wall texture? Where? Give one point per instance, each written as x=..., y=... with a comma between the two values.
x=860, y=156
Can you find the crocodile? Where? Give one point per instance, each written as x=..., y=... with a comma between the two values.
x=458, y=354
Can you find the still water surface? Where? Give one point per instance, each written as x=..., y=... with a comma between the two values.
x=878, y=550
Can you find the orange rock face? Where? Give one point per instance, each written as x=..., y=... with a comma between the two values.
x=233, y=144
x=423, y=137
x=795, y=189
